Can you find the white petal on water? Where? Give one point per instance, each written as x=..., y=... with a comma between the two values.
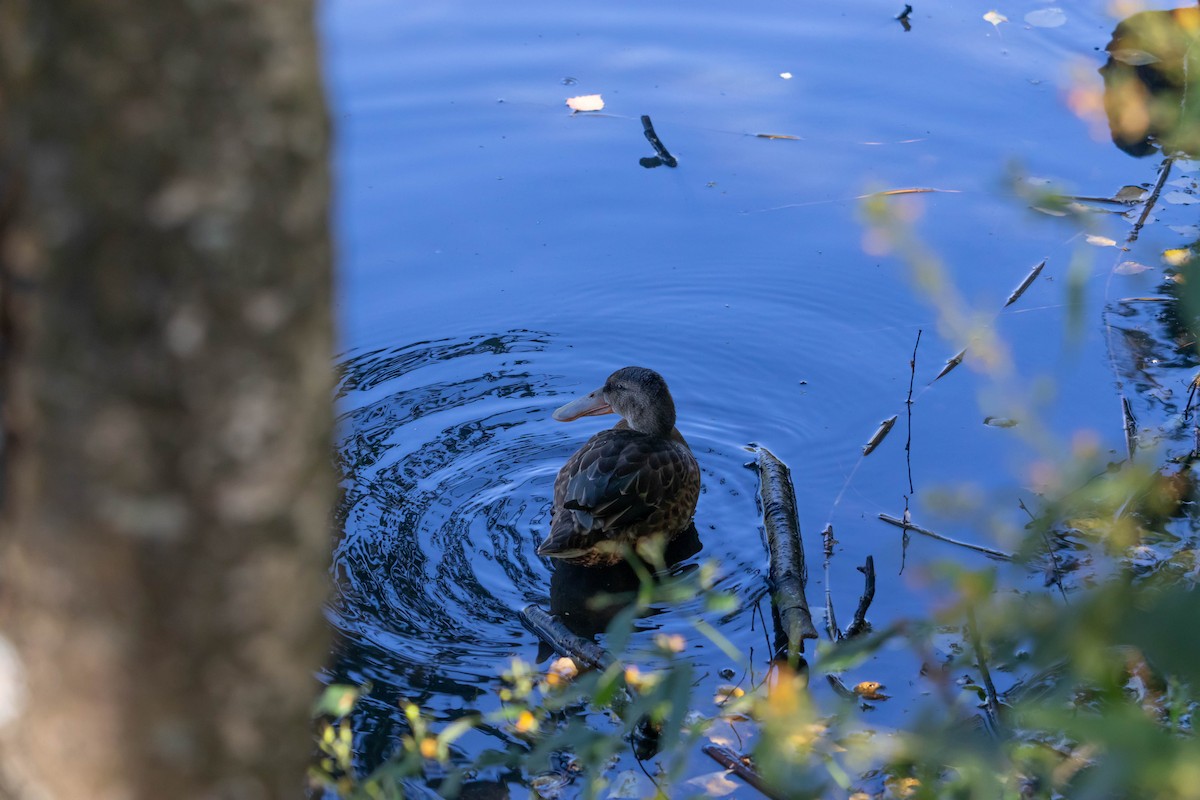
x=1181, y=198
x=1129, y=268
x=714, y=784
x=1046, y=18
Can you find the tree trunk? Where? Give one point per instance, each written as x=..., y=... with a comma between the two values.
x=165, y=377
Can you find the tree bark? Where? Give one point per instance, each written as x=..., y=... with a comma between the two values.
x=165, y=375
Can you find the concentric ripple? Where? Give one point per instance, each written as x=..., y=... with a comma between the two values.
x=448, y=455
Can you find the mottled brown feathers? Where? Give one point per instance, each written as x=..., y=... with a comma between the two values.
x=620, y=486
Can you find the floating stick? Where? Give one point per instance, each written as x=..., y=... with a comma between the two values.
x=786, y=136
x=832, y=628
x=788, y=573
x=551, y=630
x=659, y=147
x=859, y=625
x=880, y=433
x=908, y=526
x=908, y=403
x=1025, y=284
x=1130, y=423
x=952, y=363
x=740, y=765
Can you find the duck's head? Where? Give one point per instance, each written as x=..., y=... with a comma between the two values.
x=637, y=394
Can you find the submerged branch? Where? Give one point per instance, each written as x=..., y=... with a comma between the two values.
x=788, y=572
x=740, y=765
x=551, y=630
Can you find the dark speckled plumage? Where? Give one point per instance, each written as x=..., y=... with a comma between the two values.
x=633, y=480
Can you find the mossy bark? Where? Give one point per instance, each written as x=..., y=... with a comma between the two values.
x=165, y=308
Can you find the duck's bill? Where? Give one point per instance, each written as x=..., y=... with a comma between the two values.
x=590, y=405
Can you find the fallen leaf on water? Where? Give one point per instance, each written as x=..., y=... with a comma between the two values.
x=1000, y=422
x=586, y=102
x=870, y=690
x=1046, y=18
x=1130, y=194
x=913, y=190
x=1134, y=58
x=549, y=786
x=902, y=787
x=1181, y=198
x=1129, y=268
x=526, y=722
x=777, y=136
x=727, y=693
x=1177, y=256
x=1101, y=241
x=714, y=784
x=995, y=17
x=626, y=786
x=561, y=672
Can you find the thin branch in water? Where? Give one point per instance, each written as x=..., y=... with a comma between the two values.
x=1058, y=573
x=831, y=626
x=860, y=624
x=741, y=766
x=908, y=526
x=912, y=376
x=951, y=364
x=991, y=699
x=1187, y=410
x=1164, y=171
x=1025, y=284
x=879, y=435
x=1129, y=422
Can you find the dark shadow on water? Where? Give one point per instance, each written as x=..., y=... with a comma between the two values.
x=587, y=598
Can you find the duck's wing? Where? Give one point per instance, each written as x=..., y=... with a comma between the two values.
x=619, y=478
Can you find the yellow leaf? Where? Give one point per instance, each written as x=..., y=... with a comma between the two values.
x=586, y=102
x=1177, y=256
x=727, y=693
x=1101, y=241
x=995, y=17
x=669, y=643
x=429, y=747
x=870, y=690
x=902, y=787
x=526, y=722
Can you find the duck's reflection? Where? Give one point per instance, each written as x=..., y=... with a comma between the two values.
x=587, y=598
x=1151, y=94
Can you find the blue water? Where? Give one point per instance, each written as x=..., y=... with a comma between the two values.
x=499, y=254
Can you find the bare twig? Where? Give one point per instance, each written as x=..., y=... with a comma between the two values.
x=1152, y=200
x=859, y=625
x=741, y=766
x=831, y=625
x=1058, y=574
x=989, y=688
x=908, y=526
x=908, y=403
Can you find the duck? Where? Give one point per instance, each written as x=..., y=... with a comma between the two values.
x=634, y=480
